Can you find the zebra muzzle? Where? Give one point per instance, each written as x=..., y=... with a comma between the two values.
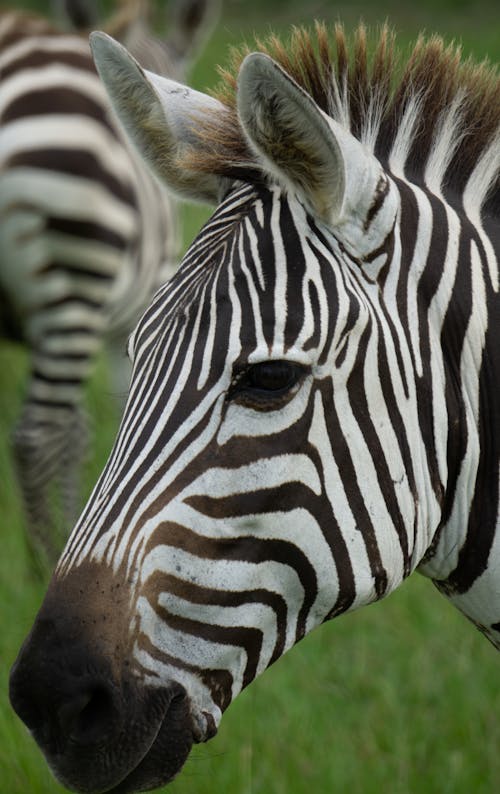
x=100, y=731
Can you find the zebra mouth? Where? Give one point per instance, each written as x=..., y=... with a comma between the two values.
x=166, y=754
x=168, y=751
x=148, y=751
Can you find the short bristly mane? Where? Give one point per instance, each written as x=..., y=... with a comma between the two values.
x=433, y=120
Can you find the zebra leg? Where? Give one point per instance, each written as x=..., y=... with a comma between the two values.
x=32, y=469
x=49, y=442
x=36, y=443
x=73, y=453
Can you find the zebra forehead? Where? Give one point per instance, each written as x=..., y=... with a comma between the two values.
x=361, y=85
x=250, y=227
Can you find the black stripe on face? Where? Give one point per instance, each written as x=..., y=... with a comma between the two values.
x=381, y=192
x=280, y=500
x=329, y=286
x=266, y=256
x=248, y=549
x=161, y=582
x=473, y=558
x=250, y=639
x=313, y=341
x=296, y=269
x=219, y=682
x=357, y=387
x=347, y=470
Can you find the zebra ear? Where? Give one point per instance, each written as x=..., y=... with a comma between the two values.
x=79, y=15
x=159, y=116
x=190, y=24
x=304, y=149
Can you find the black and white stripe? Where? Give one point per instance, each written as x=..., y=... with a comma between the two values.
x=86, y=237
x=313, y=409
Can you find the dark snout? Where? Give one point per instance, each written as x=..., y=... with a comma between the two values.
x=101, y=728
x=64, y=695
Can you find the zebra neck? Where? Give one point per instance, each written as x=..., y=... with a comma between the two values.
x=457, y=360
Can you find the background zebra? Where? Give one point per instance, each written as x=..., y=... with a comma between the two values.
x=86, y=233
x=312, y=413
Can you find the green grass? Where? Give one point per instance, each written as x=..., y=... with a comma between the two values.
x=400, y=698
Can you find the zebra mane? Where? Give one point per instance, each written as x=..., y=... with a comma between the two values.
x=432, y=121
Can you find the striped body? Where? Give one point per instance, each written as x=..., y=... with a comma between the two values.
x=313, y=409
x=86, y=236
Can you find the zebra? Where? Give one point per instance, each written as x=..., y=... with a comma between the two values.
x=87, y=234
x=313, y=411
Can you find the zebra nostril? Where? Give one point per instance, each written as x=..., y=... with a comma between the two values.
x=90, y=716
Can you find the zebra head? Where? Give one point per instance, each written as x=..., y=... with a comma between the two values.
x=272, y=469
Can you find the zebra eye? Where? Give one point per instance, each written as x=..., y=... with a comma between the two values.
x=267, y=382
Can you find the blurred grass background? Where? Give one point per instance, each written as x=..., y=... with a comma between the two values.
x=400, y=698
